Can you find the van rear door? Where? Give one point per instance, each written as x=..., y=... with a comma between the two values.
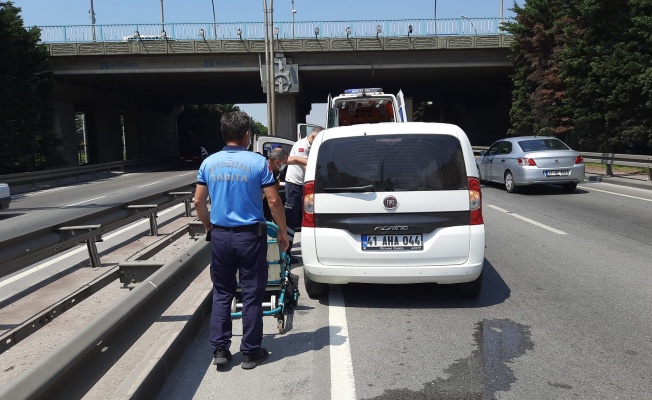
x=330, y=112
x=402, y=112
x=304, y=129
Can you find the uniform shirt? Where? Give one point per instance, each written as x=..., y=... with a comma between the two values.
x=295, y=173
x=235, y=178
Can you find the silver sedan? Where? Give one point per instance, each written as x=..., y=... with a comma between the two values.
x=528, y=160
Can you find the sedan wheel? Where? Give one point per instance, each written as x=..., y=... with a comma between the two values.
x=510, y=186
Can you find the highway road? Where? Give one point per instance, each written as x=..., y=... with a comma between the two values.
x=34, y=210
x=564, y=314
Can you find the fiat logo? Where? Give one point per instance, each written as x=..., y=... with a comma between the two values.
x=390, y=203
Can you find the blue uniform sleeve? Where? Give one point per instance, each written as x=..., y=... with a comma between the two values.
x=201, y=179
x=267, y=176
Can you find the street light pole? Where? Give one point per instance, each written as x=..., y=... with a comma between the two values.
x=214, y=22
x=435, y=16
x=162, y=18
x=269, y=65
x=293, y=12
x=92, y=12
x=501, y=11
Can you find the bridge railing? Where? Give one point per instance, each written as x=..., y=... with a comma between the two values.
x=282, y=30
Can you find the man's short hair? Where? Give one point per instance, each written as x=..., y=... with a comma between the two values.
x=235, y=125
x=278, y=154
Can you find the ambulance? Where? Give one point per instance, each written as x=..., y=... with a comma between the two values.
x=361, y=106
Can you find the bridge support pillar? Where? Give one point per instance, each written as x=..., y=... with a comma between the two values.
x=287, y=115
x=104, y=134
x=151, y=134
x=64, y=129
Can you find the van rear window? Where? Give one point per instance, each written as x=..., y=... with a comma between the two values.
x=406, y=162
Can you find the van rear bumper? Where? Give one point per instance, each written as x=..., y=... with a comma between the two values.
x=393, y=275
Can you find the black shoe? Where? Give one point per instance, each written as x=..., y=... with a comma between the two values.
x=251, y=360
x=221, y=356
x=294, y=260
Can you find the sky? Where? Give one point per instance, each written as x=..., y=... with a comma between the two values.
x=76, y=12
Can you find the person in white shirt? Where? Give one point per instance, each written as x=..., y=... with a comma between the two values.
x=294, y=176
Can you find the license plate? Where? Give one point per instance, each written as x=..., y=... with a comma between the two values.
x=392, y=242
x=557, y=173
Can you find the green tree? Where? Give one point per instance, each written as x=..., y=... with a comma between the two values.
x=607, y=68
x=25, y=97
x=537, y=97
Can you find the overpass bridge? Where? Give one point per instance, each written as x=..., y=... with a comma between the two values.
x=140, y=76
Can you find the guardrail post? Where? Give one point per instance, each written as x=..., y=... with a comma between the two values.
x=649, y=174
x=153, y=226
x=186, y=201
x=68, y=232
x=610, y=171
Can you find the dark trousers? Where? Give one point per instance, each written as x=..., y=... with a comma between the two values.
x=246, y=252
x=293, y=209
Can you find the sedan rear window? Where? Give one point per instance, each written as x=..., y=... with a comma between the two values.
x=542, y=145
x=407, y=162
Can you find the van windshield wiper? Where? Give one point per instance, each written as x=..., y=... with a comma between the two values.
x=349, y=189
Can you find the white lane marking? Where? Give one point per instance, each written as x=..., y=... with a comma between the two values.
x=85, y=201
x=72, y=252
x=188, y=173
x=528, y=220
x=614, y=193
x=46, y=191
x=150, y=184
x=342, y=381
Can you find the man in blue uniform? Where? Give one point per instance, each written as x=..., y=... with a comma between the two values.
x=233, y=178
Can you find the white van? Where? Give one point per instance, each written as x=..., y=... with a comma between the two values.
x=365, y=106
x=394, y=204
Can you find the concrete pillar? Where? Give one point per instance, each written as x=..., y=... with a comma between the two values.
x=151, y=134
x=286, y=116
x=64, y=128
x=103, y=134
x=108, y=134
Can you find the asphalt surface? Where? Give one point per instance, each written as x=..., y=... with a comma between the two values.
x=564, y=314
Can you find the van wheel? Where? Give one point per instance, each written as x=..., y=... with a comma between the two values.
x=569, y=187
x=510, y=186
x=314, y=289
x=470, y=289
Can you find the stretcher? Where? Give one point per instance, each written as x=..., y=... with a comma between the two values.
x=282, y=290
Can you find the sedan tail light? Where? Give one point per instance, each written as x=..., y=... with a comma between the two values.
x=475, y=202
x=579, y=160
x=308, y=205
x=526, y=161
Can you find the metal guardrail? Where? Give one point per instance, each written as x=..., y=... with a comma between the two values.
x=608, y=159
x=60, y=173
x=71, y=369
x=49, y=241
x=282, y=30
x=626, y=160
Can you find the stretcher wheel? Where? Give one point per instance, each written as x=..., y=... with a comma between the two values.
x=281, y=324
x=272, y=303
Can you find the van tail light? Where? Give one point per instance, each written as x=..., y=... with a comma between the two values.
x=579, y=160
x=475, y=202
x=526, y=161
x=308, y=205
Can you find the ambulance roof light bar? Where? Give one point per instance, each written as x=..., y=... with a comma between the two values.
x=364, y=91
